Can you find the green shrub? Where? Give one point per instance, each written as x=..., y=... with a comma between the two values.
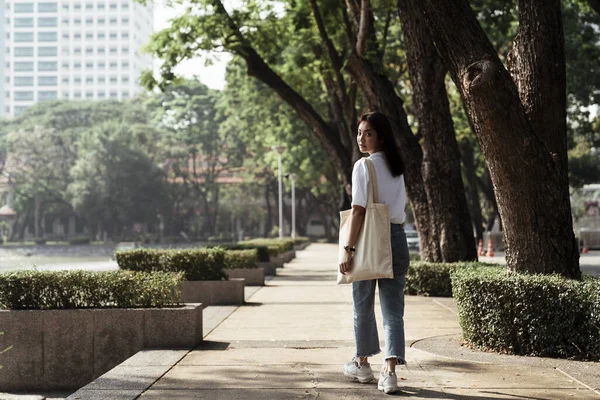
x=275, y=246
x=415, y=257
x=241, y=258
x=433, y=279
x=196, y=264
x=263, y=251
x=541, y=315
x=301, y=240
x=39, y=290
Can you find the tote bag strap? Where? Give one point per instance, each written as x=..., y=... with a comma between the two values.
x=373, y=188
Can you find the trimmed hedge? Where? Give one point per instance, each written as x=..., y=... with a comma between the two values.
x=196, y=264
x=241, y=258
x=42, y=290
x=301, y=240
x=275, y=246
x=262, y=251
x=540, y=315
x=433, y=279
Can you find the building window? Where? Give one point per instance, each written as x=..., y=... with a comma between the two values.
x=47, y=51
x=23, y=7
x=47, y=36
x=124, y=79
x=101, y=79
x=89, y=50
x=47, y=66
x=89, y=6
x=23, y=51
x=47, y=7
x=125, y=50
x=101, y=65
x=113, y=65
x=125, y=5
x=65, y=65
x=113, y=51
x=19, y=110
x=125, y=64
x=125, y=35
x=89, y=95
x=89, y=65
x=113, y=20
x=65, y=36
x=64, y=51
x=47, y=80
x=65, y=95
x=65, y=6
x=77, y=80
x=89, y=21
x=125, y=94
x=101, y=50
x=77, y=36
x=77, y=21
x=77, y=65
x=23, y=81
x=89, y=35
x=23, y=96
x=100, y=6
x=77, y=51
x=65, y=21
x=113, y=94
x=113, y=35
x=65, y=79
x=89, y=79
x=125, y=20
x=23, y=36
x=78, y=6
x=47, y=95
x=113, y=79
x=23, y=22
x=47, y=22
x=101, y=95
x=101, y=21
x=23, y=66
x=113, y=6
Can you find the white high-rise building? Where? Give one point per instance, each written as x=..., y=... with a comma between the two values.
x=71, y=49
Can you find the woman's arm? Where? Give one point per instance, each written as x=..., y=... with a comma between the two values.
x=356, y=219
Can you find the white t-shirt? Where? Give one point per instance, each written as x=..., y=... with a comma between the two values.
x=391, y=189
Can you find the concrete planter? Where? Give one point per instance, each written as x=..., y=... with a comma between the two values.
x=301, y=246
x=282, y=258
x=268, y=267
x=252, y=276
x=66, y=349
x=211, y=293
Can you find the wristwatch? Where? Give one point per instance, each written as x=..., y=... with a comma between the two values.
x=349, y=249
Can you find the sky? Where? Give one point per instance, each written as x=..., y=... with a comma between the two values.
x=212, y=76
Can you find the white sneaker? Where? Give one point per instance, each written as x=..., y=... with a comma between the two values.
x=388, y=382
x=361, y=373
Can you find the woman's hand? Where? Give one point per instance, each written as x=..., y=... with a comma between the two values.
x=346, y=264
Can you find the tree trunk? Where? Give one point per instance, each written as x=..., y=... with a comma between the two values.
x=529, y=181
x=449, y=212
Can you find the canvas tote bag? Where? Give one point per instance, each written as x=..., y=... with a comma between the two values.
x=373, y=256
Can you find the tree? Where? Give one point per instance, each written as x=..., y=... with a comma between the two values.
x=520, y=120
x=114, y=182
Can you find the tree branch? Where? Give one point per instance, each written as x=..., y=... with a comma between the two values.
x=363, y=30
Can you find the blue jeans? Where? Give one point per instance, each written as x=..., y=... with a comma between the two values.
x=391, y=297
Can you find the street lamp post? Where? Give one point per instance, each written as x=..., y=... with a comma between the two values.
x=280, y=149
x=293, y=179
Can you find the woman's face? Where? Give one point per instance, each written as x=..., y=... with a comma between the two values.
x=367, y=139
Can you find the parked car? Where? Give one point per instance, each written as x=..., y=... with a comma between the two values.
x=412, y=239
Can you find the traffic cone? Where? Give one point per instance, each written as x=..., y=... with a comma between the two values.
x=480, y=248
x=490, y=249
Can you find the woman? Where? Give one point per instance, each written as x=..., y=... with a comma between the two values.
x=375, y=137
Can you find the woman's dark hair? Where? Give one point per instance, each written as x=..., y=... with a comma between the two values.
x=382, y=126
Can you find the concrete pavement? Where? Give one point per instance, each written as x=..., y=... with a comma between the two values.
x=291, y=338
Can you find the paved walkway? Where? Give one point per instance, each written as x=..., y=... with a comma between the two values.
x=291, y=338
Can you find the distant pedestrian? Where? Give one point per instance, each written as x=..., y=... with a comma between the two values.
x=375, y=137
